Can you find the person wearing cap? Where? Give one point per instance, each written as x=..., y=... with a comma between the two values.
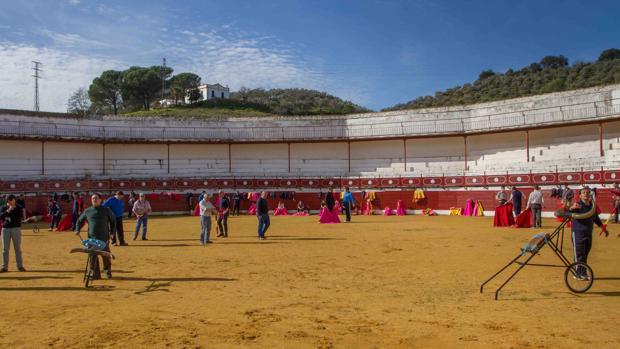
x=117, y=205
x=142, y=210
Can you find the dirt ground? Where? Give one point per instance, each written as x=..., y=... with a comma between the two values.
x=379, y=282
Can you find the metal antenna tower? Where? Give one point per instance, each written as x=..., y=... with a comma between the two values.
x=163, y=78
x=36, y=76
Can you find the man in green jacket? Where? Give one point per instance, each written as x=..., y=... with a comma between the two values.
x=101, y=226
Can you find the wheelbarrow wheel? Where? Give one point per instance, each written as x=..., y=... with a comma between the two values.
x=578, y=277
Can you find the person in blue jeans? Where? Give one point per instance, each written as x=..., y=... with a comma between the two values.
x=11, y=215
x=347, y=202
x=142, y=210
x=262, y=213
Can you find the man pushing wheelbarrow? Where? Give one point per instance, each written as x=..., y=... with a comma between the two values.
x=578, y=275
x=101, y=226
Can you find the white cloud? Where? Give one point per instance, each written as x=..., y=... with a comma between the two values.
x=72, y=40
x=74, y=2
x=237, y=62
x=63, y=73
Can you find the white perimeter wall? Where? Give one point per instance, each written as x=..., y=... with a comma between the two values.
x=319, y=159
x=198, y=159
x=565, y=148
x=20, y=158
x=123, y=160
x=495, y=152
x=259, y=159
x=435, y=155
x=377, y=156
x=80, y=160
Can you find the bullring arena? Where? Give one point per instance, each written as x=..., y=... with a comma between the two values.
x=380, y=281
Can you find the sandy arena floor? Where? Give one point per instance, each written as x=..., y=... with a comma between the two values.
x=380, y=282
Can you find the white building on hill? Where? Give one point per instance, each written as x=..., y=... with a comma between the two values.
x=212, y=91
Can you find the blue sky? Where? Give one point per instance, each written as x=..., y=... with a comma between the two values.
x=373, y=52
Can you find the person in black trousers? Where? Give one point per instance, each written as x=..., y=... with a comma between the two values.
x=517, y=198
x=55, y=213
x=236, y=204
x=222, y=216
x=582, y=229
x=347, y=203
x=262, y=213
x=330, y=202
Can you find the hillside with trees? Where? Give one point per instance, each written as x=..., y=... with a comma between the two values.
x=550, y=74
x=137, y=91
x=297, y=101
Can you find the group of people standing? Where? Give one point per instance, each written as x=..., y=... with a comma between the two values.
x=535, y=201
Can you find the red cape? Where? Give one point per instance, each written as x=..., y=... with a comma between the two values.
x=503, y=216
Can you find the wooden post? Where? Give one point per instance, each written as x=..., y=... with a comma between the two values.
x=465, y=150
x=103, y=163
x=527, y=145
x=405, y=152
x=229, y=158
x=600, y=138
x=349, y=156
x=43, y=158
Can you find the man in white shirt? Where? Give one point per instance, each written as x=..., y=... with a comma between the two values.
x=536, y=202
x=142, y=210
x=206, y=210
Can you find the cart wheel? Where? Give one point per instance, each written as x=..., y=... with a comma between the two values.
x=579, y=277
x=35, y=229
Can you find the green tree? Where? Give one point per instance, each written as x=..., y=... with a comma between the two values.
x=551, y=74
x=554, y=61
x=181, y=83
x=105, y=91
x=141, y=85
x=194, y=95
x=609, y=55
x=486, y=74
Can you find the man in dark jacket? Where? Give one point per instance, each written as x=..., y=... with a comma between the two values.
x=330, y=202
x=517, y=198
x=236, y=203
x=77, y=207
x=262, y=213
x=582, y=228
x=11, y=215
x=55, y=212
x=222, y=216
x=101, y=225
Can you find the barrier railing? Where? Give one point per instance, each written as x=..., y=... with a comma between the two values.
x=106, y=130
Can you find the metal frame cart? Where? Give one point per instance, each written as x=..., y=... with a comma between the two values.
x=578, y=276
